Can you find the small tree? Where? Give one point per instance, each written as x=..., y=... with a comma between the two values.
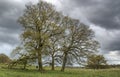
x=96, y=61
x=22, y=55
x=4, y=58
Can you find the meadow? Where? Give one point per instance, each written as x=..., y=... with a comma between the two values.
x=69, y=72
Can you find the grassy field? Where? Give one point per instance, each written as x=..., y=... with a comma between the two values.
x=68, y=73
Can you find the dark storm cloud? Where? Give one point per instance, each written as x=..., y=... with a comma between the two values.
x=108, y=39
x=105, y=13
x=114, y=45
x=10, y=24
x=9, y=13
x=5, y=5
x=8, y=39
x=9, y=28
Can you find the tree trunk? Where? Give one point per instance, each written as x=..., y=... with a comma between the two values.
x=40, y=67
x=25, y=63
x=64, y=62
x=52, y=64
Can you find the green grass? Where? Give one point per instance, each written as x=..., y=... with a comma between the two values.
x=69, y=72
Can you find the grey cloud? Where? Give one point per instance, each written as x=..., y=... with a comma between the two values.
x=10, y=24
x=10, y=10
x=4, y=6
x=115, y=44
x=9, y=13
x=109, y=39
x=9, y=28
x=7, y=6
x=105, y=13
x=9, y=40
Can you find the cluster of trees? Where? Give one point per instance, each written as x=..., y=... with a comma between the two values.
x=114, y=66
x=51, y=37
x=96, y=62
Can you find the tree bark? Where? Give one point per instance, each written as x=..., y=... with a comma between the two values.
x=52, y=63
x=25, y=64
x=40, y=67
x=64, y=62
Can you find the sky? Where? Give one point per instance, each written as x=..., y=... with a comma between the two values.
x=103, y=16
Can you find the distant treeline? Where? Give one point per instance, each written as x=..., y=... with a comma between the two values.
x=103, y=66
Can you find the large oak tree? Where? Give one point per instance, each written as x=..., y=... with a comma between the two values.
x=77, y=42
x=40, y=22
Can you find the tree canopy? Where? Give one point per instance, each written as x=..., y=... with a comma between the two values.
x=50, y=34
